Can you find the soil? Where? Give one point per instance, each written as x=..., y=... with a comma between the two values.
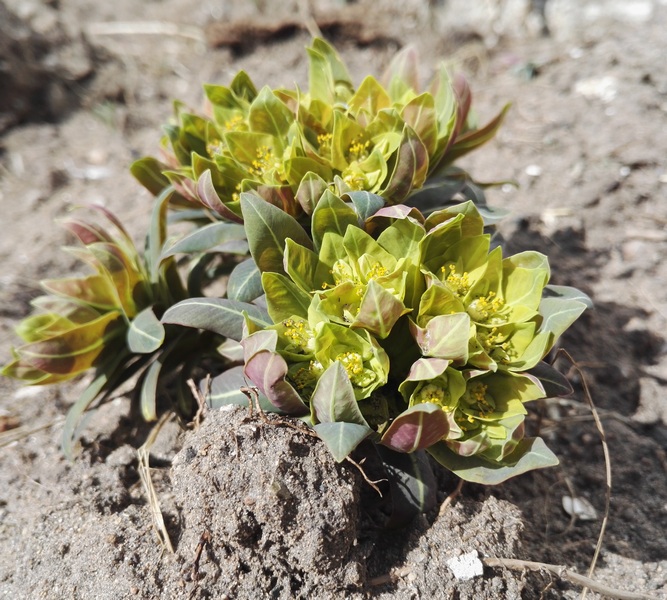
x=255, y=509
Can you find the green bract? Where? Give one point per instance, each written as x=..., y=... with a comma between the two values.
x=436, y=335
x=288, y=146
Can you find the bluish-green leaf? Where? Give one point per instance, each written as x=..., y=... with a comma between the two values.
x=210, y=237
x=342, y=438
x=366, y=204
x=146, y=333
x=413, y=485
x=226, y=389
x=219, y=315
x=245, y=282
x=529, y=454
x=567, y=292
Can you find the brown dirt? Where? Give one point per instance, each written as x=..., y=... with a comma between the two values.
x=585, y=140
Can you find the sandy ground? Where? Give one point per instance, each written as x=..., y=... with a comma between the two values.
x=586, y=140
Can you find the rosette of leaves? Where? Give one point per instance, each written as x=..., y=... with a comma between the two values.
x=109, y=321
x=288, y=146
x=408, y=331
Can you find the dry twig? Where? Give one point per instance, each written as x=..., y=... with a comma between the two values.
x=565, y=574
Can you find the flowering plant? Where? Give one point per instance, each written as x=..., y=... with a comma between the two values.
x=360, y=293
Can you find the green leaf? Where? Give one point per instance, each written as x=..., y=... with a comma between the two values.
x=146, y=333
x=370, y=97
x=148, y=171
x=416, y=428
x=331, y=215
x=305, y=268
x=328, y=78
x=209, y=197
x=342, y=438
x=219, y=315
x=211, y=237
x=283, y=298
x=269, y=115
x=245, y=282
x=333, y=400
x=529, y=454
x=268, y=227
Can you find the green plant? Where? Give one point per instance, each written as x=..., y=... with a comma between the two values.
x=359, y=294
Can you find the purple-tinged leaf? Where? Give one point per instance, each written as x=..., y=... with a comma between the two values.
x=445, y=336
x=410, y=169
x=310, y=190
x=73, y=351
x=267, y=370
x=426, y=369
x=379, y=310
x=208, y=196
x=471, y=140
x=416, y=428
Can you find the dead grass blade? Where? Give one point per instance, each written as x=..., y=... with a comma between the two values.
x=23, y=431
x=145, y=473
x=607, y=462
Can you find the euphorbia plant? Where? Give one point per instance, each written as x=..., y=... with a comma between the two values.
x=344, y=304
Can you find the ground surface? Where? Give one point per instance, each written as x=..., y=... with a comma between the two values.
x=587, y=141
